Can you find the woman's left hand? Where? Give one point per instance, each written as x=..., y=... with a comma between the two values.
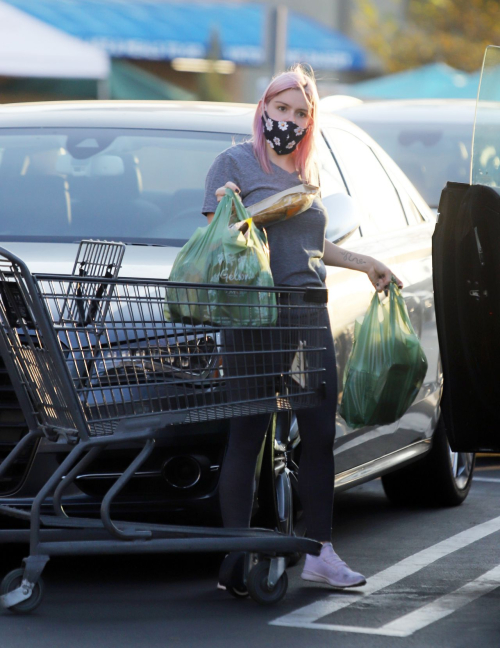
x=380, y=276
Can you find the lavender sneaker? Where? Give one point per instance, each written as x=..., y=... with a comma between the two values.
x=329, y=568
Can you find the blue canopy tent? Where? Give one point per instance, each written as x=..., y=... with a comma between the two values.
x=434, y=81
x=322, y=47
x=154, y=30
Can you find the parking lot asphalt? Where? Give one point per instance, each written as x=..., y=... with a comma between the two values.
x=433, y=580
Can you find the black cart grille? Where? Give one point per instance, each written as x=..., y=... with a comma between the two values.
x=12, y=428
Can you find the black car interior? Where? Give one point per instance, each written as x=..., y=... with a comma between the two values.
x=36, y=203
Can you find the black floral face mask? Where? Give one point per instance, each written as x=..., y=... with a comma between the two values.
x=282, y=136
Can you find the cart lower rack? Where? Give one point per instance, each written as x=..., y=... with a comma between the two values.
x=99, y=360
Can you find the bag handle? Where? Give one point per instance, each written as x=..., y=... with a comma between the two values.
x=230, y=200
x=397, y=303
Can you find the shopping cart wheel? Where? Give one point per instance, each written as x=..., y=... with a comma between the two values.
x=258, y=587
x=231, y=574
x=12, y=581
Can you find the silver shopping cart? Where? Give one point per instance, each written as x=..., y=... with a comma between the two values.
x=97, y=360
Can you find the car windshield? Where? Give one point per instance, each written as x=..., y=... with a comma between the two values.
x=486, y=154
x=429, y=154
x=137, y=186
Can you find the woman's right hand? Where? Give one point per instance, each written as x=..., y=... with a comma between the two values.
x=221, y=191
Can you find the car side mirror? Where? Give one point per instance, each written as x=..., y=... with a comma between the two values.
x=343, y=215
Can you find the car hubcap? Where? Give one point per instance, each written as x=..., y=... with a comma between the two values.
x=286, y=476
x=284, y=502
x=461, y=466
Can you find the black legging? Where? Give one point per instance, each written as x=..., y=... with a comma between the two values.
x=317, y=473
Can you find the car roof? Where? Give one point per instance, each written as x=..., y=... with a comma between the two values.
x=412, y=110
x=177, y=115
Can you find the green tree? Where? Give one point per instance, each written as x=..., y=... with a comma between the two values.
x=455, y=32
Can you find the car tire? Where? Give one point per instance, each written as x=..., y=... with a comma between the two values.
x=278, y=500
x=440, y=478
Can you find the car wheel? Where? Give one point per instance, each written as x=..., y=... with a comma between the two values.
x=279, y=504
x=441, y=478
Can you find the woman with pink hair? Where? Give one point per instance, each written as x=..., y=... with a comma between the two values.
x=281, y=155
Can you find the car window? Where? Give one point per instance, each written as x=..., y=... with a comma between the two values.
x=413, y=213
x=331, y=179
x=406, y=191
x=133, y=185
x=370, y=184
x=430, y=154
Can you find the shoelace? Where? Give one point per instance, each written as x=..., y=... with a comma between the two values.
x=332, y=559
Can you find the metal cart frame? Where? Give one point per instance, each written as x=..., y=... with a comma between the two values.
x=41, y=317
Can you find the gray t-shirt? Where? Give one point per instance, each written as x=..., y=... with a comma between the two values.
x=296, y=245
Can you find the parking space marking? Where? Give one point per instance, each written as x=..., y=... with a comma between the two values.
x=487, y=479
x=445, y=605
x=307, y=616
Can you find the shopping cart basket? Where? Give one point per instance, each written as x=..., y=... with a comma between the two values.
x=95, y=362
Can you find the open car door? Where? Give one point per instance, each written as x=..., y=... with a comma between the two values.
x=466, y=271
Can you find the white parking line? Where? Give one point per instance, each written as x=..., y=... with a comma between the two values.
x=445, y=605
x=487, y=479
x=307, y=616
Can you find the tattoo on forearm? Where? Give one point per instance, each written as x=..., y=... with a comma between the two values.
x=352, y=258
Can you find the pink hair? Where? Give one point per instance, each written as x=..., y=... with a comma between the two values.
x=305, y=153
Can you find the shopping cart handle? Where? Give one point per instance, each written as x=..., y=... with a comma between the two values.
x=316, y=295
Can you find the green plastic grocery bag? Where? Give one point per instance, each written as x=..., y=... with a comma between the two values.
x=230, y=251
x=386, y=367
